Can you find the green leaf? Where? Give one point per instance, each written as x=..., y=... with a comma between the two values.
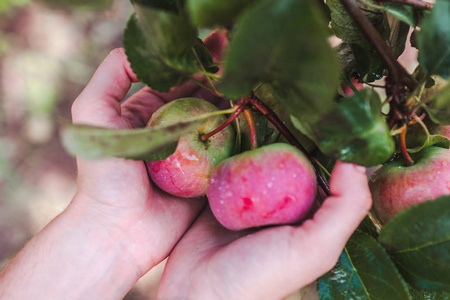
x=205, y=56
x=403, y=12
x=139, y=144
x=418, y=239
x=215, y=12
x=158, y=44
x=283, y=42
x=266, y=94
x=345, y=28
x=170, y=35
x=169, y=5
x=439, y=107
x=354, y=131
x=368, y=227
x=364, y=271
x=398, y=35
x=369, y=66
x=434, y=40
x=424, y=295
x=432, y=140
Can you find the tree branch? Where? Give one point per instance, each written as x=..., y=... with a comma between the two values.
x=273, y=118
x=397, y=73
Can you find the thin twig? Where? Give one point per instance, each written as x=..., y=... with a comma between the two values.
x=208, y=78
x=405, y=153
x=273, y=118
x=239, y=107
x=251, y=128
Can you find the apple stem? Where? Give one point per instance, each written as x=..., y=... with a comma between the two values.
x=405, y=153
x=240, y=106
x=375, y=85
x=275, y=120
x=251, y=127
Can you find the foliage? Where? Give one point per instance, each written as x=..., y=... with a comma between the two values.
x=421, y=233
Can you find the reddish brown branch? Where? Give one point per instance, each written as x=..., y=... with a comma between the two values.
x=397, y=73
x=251, y=128
x=240, y=106
x=273, y=118
x=405, y=153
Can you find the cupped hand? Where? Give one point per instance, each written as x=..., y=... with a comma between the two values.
x=211, y=262
x=117, y=192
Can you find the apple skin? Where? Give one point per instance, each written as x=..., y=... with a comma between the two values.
x=396, y=186
x=347, y=90
x=274, y=184
x=444, y=130
x=185, y=173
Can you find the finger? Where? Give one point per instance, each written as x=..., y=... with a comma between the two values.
x=200, y=242
x=139, y=107
x=99, y=103
x=340, y=215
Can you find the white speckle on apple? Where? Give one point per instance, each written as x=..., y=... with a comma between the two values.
x=192, y=157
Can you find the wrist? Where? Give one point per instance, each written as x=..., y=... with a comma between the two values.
x=73, y=257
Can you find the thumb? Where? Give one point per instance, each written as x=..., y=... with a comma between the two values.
x=349, y=203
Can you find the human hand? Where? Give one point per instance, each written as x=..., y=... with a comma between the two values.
x=211, y=262
x=117, y=192
x=118, y=226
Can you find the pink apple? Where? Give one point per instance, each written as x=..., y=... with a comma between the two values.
x=444, y=130
x=185, y=173
x=348, y=91
x=396, y=187
x=274, y=184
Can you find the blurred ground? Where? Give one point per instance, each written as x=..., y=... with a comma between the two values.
x=47, y=55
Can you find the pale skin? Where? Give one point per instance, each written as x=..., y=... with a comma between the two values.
x=119, y=226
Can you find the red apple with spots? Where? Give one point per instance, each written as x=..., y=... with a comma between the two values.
x=396, y=186
x=273, y=184
x=185, y=173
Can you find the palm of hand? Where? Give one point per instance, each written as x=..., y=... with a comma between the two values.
x=117, y=191
x=211, y=262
